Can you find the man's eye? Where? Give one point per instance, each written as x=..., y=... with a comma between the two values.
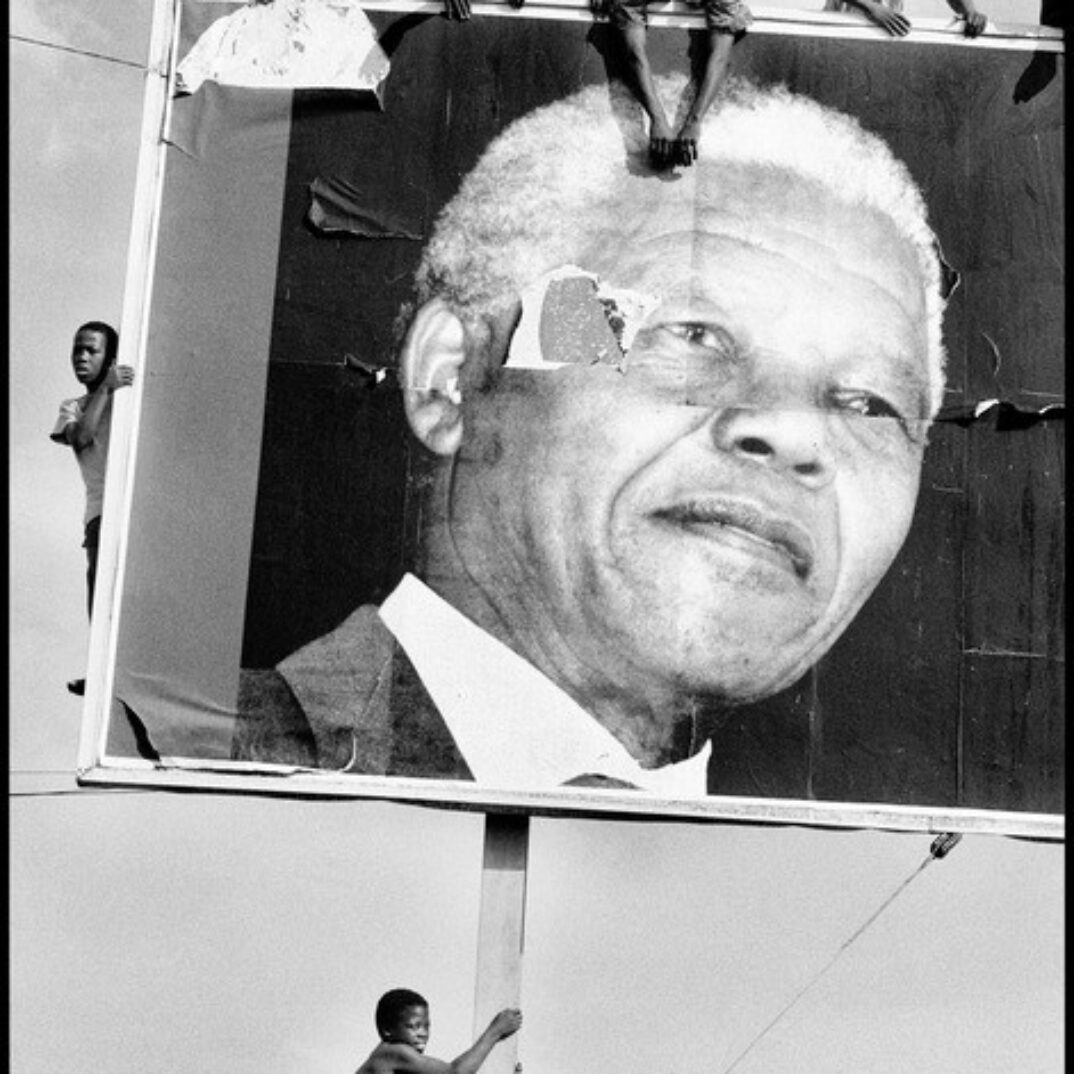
x=700, y=335
x=866, y=404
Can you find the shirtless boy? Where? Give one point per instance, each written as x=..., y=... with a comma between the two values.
x=402, y=1019
x=84, y=424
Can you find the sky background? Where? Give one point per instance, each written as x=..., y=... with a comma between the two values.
x=192, y=932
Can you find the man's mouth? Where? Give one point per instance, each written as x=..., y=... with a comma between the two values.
x=745, y=524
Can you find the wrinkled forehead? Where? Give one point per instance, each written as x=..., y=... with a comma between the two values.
x=664, y=229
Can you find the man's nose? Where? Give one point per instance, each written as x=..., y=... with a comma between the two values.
x=793, y=441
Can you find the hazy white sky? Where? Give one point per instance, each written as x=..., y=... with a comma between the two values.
x=74, y=125
x=205, y=933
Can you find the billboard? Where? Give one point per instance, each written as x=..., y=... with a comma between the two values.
x=478, y=459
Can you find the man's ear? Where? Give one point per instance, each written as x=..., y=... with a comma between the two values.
x=430, y=366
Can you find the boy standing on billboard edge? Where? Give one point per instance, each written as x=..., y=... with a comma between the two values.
x=85, y=424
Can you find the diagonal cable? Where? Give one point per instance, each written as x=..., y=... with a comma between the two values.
x=77, y=51
x=939, y=849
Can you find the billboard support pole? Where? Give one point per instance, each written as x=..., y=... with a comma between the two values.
x=501, y=929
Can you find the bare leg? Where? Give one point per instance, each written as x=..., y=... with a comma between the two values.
x=660, y=136
x=720, y=44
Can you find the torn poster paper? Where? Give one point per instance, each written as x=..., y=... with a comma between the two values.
x=1007, y=416
x=570, y=317
x=339, y=207
x=288, y=44
x=373, y=374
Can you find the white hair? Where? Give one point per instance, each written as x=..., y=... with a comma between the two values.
x=558, y=177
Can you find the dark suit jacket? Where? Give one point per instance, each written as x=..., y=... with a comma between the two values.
x=350, y=701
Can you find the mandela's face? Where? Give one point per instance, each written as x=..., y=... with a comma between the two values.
x=713, y=511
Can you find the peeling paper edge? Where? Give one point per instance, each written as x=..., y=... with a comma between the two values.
x=226, y=52
x=971, y=413
x=325, y=216
x=525, y=350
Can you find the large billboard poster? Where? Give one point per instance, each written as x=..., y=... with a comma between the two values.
x=481, y=456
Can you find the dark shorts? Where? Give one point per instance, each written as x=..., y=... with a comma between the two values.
x=729, y=16
x=90, y=543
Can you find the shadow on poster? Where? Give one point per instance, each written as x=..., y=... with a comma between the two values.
x=481, y=462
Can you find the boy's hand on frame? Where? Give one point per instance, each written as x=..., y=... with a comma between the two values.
x=119, y=376
x=506, y=1023
x=892, y=22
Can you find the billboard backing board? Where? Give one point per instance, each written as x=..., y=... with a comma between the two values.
x=277, y=492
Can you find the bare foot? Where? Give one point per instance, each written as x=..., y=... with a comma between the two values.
x=661, y=144
x=686, y=143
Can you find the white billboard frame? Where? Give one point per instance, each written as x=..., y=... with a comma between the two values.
x=97, y=767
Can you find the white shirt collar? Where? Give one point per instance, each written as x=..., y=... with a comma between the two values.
x=515, y=728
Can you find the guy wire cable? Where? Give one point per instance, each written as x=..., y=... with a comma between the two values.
x=76, y=51
x=940, y=847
